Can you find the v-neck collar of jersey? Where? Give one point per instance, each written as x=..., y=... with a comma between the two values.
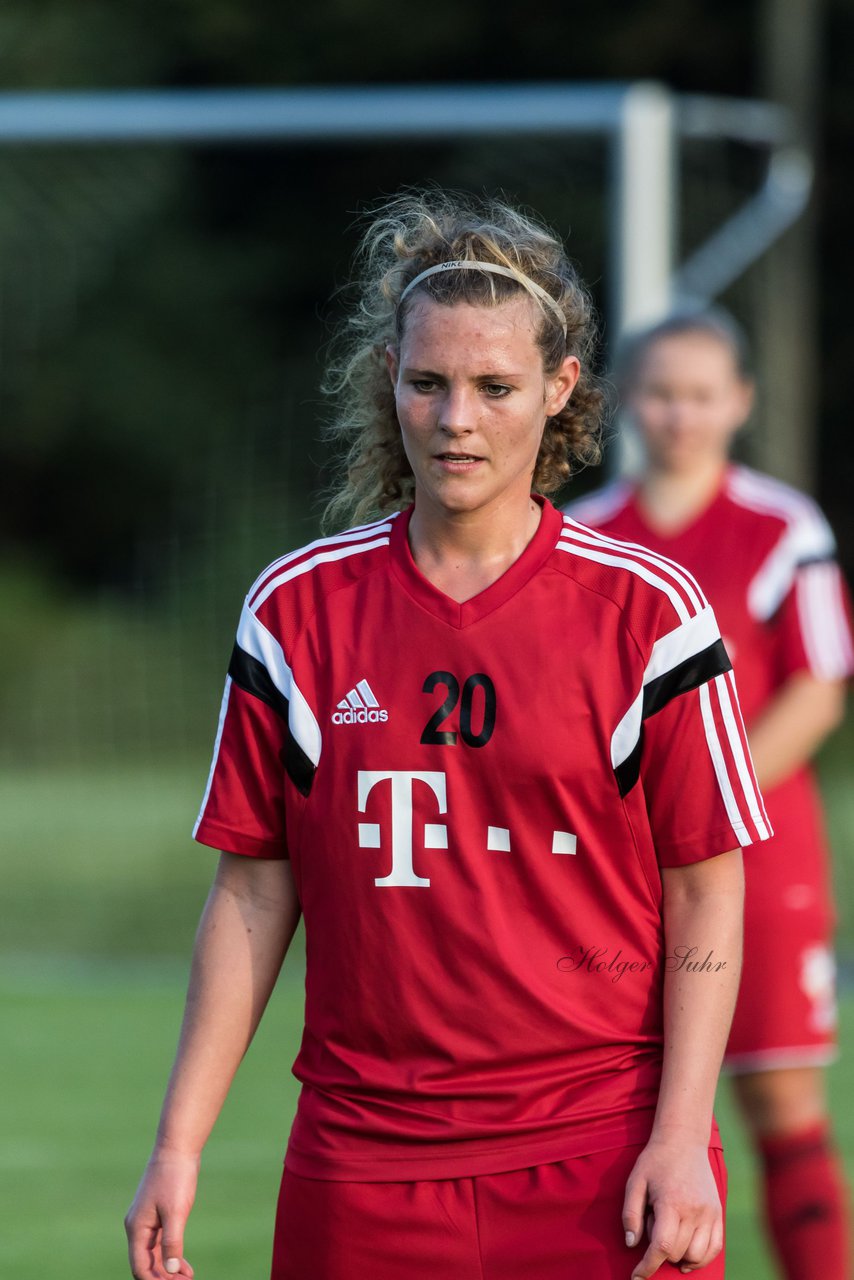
x=492, y=597
x=689, y=527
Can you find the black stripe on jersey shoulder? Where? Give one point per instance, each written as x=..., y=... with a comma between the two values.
x=690, y=674
x=806, y=563
x=628, y=772
x=829, y=558
x=254, y=678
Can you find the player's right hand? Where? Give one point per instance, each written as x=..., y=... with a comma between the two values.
x=156, y=1220
x=673, y=1188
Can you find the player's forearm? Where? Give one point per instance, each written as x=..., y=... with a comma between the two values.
x=703, y=915
x=793, y=726
x=242, y=940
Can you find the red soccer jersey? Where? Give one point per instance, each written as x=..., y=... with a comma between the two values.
x=765, y=557
x=477, y=799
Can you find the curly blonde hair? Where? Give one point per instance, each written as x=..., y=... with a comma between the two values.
x=405, y=236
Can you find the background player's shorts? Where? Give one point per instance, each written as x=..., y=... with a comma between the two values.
x=786, y=1014
x=786, y=1010
x=552, y=1221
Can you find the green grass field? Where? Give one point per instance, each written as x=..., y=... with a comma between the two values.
x=102, y=891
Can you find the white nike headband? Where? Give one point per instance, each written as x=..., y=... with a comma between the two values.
x=470, y=264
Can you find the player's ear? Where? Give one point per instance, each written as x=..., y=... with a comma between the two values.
x=392, y=361
x=561, y=384
x=748, y=395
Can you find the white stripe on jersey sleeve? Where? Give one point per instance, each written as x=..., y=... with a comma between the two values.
x=601, y=555
x=838, y=613
x=770, y=585
x=759, y=492
x=803, y=557
x=683, y=642
x=721, y=771
x=807, y=536
x=823, y=621
x=744, y=790
x=808, y=619
x=254, y=637
x=625, y=737
x=305, y=566
x=754, y=803
x=678, y=571
x=355, y=534
x=223, y=711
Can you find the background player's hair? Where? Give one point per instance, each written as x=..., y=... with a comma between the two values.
x=405, y=236
x=711, y=322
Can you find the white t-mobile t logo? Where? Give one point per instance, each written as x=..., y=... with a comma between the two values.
x=435, y=833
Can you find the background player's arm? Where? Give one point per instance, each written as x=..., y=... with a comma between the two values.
x=703, y=910
x=793, y=725
x=246, y=928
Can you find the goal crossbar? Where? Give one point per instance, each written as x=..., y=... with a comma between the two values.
x=642, y=122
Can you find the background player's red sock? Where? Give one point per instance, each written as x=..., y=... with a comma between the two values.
x=805, y=1204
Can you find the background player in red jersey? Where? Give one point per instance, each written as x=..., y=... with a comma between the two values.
x=764, y=554
x=520, y=877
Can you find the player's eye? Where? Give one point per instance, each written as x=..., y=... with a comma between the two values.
x=422, y=385
x=496, y=390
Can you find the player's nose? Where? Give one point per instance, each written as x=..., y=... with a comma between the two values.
x=458, y=414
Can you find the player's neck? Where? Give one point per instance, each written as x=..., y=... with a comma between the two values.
x=464, y=553
x=672, y=499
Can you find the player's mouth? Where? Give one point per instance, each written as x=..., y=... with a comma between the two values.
x=458, y=462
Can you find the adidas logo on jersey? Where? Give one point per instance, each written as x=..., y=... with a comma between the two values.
x=359, y=707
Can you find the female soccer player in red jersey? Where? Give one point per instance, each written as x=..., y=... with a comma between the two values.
x=765, y=556
x=497, y=762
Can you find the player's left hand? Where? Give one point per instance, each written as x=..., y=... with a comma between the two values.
x=673, y=1187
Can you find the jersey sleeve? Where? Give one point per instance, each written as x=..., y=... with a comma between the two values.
x=683, y=740
x=243, y=809
x=813, y=627
x=800, y=594
x=700, y=787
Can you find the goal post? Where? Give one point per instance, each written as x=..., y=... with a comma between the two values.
x=642, y=124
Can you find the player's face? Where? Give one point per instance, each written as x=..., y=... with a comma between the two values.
x=472, y=401
x=688, y=400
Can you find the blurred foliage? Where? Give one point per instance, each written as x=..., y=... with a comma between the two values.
x=161, y=311
x=138, y=343
x=92, y=43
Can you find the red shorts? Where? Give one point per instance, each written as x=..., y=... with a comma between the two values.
x=786, y=1010
x=785, y=1015
x=553, y=1221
